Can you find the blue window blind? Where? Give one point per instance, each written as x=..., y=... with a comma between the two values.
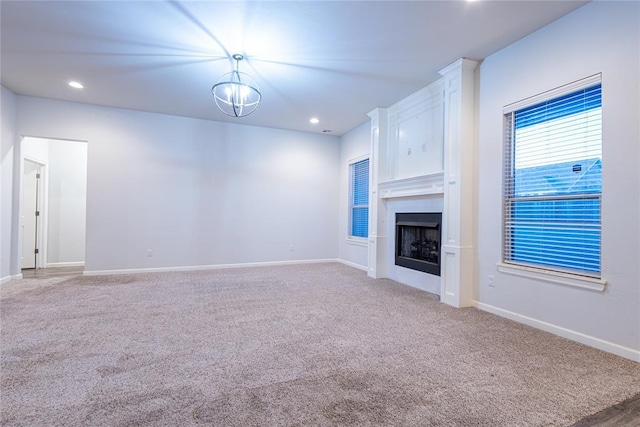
x=359, y=199
x=553, y=183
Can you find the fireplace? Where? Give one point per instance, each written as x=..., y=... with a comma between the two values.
x=418, y=241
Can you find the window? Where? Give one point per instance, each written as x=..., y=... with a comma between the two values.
x=553, y=180
x=359, y=199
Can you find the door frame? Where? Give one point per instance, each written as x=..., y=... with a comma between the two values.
x=18, y=175
x=42, y=219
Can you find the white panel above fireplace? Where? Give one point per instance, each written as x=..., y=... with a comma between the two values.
x=416, y=135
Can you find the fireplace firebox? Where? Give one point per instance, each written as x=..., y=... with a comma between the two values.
x=418, y=241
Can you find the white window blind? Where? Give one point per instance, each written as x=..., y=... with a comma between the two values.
x=553, y=181
x=359, y=199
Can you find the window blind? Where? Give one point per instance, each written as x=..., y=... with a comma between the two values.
x=553, y=183
x=359, y=199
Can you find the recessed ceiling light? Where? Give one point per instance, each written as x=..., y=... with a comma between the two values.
x=76, y=85
x=314, y=120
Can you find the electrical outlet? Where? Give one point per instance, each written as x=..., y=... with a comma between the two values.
x=149, y=253
x=492, y=281
x=291, y=248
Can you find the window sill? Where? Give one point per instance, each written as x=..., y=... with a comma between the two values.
x=358, y=241
x=590, y=283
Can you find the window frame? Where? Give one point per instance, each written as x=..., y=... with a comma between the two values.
x=357, y=240
x=547, y=273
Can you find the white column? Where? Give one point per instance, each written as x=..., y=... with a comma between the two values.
x=458, y=230
x=377, y=259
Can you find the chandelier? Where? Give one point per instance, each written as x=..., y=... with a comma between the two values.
x=236, y=94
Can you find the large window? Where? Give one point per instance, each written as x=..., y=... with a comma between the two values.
x=359, y=198
x=553, y=180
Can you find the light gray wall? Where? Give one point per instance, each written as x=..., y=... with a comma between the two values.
x=354, y=144
x=66, y=213
x=7, y=141
x=195, y=192
x=601, y=37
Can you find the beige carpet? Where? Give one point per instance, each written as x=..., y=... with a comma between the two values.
x=317, y=344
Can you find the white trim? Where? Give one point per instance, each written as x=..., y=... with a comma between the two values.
x=16, y=277
x=352, y=264
x=568, y=279
x=626, y=352
x=358, y=159
x=65, y=264
x=5, y=279
x=205, y=267
x=358, y=241
x=430, y=184
x=553, y=93
x=42, y=221
x=459, y=63
x=34, y=160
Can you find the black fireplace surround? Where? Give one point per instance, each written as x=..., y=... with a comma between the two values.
x=418, y=241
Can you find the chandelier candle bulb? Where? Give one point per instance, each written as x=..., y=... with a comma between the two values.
x=236, y=94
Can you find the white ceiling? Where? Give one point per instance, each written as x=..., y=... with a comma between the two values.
x=335, y=60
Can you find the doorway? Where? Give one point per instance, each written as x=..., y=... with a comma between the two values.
x=53, y=205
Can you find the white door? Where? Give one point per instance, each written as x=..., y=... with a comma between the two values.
x=30, y=195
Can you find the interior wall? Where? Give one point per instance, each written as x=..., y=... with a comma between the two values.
x=601, y=37
x=7, y=142
x=166, y=191
x=354, y=144
x=66, y=210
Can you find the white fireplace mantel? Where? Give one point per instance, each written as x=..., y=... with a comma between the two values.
x=408, y=141
x=423, y=185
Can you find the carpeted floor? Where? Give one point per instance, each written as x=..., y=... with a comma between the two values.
x=317, y=344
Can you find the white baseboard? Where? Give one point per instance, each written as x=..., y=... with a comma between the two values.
x=65, y=264
x=626, y=352
x=352, y=264
x=205, y=267
x=7, y=279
